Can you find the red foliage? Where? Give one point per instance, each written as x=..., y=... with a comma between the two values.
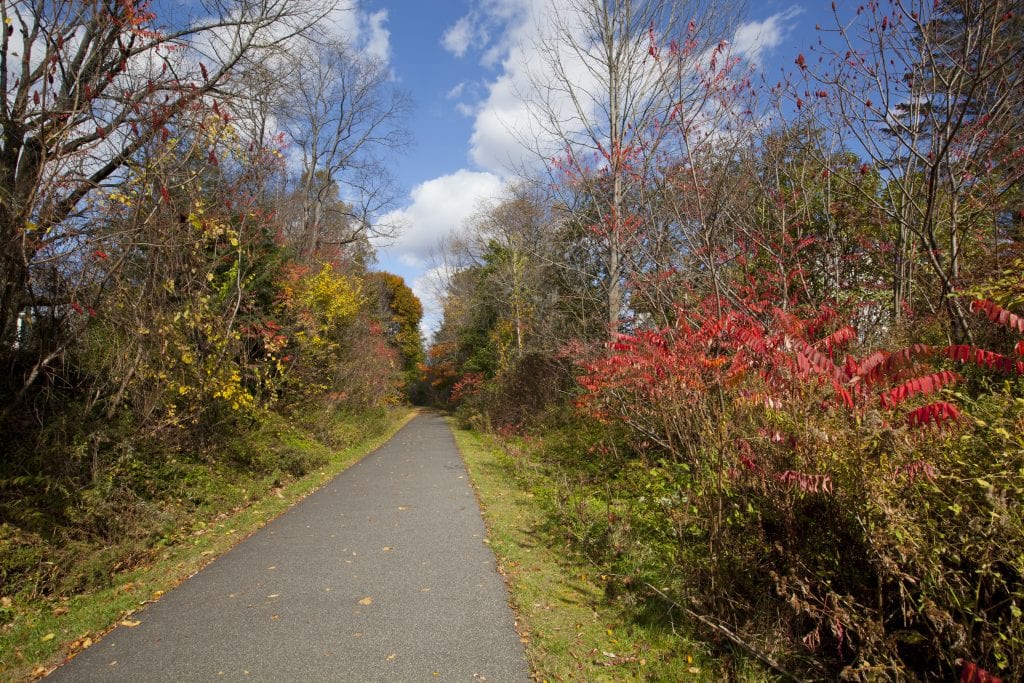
x=999, y=315
x=933, y=413
x=927, y=384
x=468, y=385
x=915, y=469
x=972, y=673
x=963, y=353
x=839, y=338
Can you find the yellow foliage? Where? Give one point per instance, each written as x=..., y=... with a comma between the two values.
x=332, y=300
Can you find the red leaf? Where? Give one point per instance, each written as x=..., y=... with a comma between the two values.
x=919, y=385
x=840, y=337
x=972, y=673
x=999, y=315
x=963, y=353
x=934, y=413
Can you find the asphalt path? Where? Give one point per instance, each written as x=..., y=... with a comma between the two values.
x=382, y=575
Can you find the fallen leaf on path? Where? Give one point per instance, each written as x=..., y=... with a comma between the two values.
x=388, y=549
x=366, y=601
x=130, y=623
x=391, y=656
x=403, y=508
x=274, y=595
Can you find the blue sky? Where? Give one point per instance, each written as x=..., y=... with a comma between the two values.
x=460, y=60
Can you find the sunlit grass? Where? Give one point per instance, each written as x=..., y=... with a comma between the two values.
x=571, y=630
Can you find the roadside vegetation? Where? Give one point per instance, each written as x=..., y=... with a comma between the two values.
x=74, y=593
x=191, y=329
x=758, y=353
x=572, y=623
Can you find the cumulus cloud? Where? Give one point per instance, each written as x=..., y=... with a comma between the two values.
x=438, y=207
x=508, y=35
x=378, y=39
x=366, y=31
x=753, y=38
x=458, y=36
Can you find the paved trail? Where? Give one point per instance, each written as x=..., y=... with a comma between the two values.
x=382, y=575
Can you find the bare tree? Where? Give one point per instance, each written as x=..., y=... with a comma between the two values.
x=343, y=114
x=601, y=103
x=931, y=94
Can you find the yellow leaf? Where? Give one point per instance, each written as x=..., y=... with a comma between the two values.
x=366, y=601
x=48, y=637
x=391, y=656
x=130, y=623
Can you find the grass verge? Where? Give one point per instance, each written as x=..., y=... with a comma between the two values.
x=42, y=633
x=571, y=630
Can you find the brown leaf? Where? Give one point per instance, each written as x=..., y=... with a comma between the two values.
x=366, y=601
x=130, y=623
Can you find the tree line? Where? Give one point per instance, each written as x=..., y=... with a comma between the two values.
x=186, y=206
x=764, y=338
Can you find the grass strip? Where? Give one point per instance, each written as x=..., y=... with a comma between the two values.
x=571, y=630
x=46, y=632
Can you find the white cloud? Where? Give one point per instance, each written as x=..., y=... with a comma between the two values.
x=365, y=31
x=438, y=208
x=458, y=36
x=507, y=33
x=426, y=288
x=378, y=39
x=456, y=92
x=753, y=38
